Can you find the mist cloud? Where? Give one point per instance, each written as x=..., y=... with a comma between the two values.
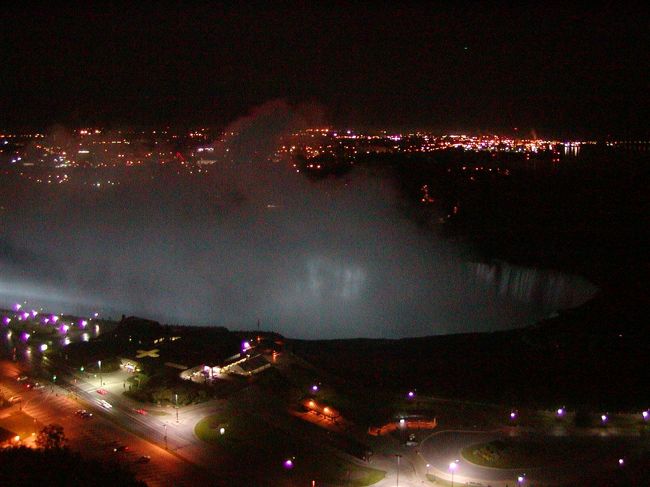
x=254, y=240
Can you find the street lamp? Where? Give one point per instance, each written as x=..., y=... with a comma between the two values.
x=398, y=456
x=176, y=400
x=99, y=362
x=521, y=479
x=453, y=466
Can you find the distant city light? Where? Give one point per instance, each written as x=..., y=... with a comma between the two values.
x=603, y=418
x=645, y=415
x=314, y=388
x=288, y=464
x=560, y=412
x=621, y=462
x=411, y=394
x=43, y=347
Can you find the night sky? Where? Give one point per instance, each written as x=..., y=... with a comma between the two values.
x=550, y=69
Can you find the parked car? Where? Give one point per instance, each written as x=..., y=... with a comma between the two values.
x=141, y=411
x=120, y=448
x=103, y=392
x=144, y=459
x=21, y=378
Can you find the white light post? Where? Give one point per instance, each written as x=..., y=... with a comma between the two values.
x=453, y=466
x=99, y=362
x=176, y=400
x=398, y=460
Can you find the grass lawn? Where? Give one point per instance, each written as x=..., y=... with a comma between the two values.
x=508, y=454
x=250, y=438
x=434, y=480
x=156, y=412
x=530, y=452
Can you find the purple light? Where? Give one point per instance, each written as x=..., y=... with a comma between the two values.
x=55, y=318
x=245, y=346
x=6, y=320
x=34, y=313
x=288, y=464
x=621, y=462
x=560, y=412
x=645, y=415
x=411, y=394
x=314, y=388
x=83, y=323
x=46, y=320
x=25, y=336
x=603, y=418
x=513, y=415
x=17, y=306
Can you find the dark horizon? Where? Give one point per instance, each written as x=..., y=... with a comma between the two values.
x=556, y=71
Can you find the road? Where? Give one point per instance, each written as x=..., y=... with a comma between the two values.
x=95, y=437
x=444, y=447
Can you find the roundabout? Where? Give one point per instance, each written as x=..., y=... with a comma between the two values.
x=497, y=459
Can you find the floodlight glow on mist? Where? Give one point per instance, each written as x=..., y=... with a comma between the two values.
x=253, y=241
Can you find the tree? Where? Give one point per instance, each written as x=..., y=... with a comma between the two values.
x=51, y=437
